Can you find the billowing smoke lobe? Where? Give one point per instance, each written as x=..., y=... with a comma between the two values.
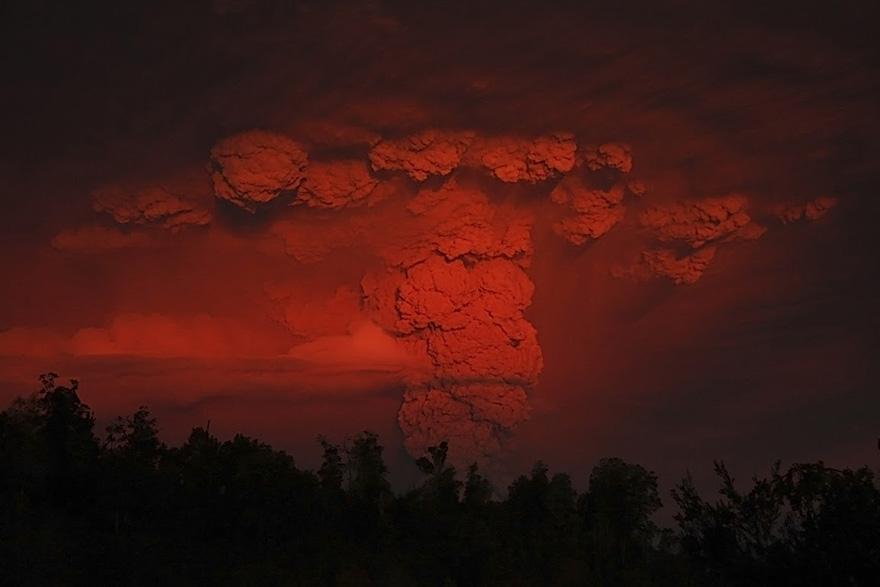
x=519, y=254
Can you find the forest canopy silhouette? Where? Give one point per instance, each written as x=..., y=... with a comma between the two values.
x=77, y=507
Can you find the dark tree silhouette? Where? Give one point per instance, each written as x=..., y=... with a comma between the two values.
x=812, y=525
x=477, y=489
x=332, y=471
x=441, y=486
x=56, y=448
x=366, y=471
x=131, y=452
x=541, y=524
x=617, y=511
x=129, y=510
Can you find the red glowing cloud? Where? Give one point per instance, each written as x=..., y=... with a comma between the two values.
x=144, y=335
x=255, y=167
x=444, y=309
x=383, y=205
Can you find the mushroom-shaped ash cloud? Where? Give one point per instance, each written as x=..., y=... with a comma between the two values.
x=255, y=167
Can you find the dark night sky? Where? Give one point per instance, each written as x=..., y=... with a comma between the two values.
x=768, y=355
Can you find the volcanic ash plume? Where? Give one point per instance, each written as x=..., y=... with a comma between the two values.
x=457, y=295
x=473, y=418
x=447, y=310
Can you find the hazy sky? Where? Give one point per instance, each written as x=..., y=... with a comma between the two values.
x=714, y=299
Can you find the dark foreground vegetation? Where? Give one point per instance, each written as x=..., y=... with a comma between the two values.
x=127, y=510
